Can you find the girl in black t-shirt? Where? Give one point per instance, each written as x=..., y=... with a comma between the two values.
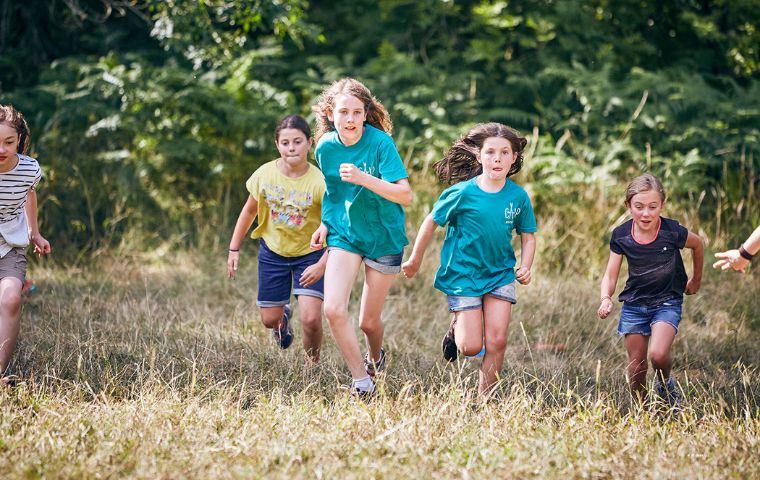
x=657, y=280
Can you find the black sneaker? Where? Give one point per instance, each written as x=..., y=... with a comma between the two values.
x=371, y=367
x=284, y=334
x=449, y=345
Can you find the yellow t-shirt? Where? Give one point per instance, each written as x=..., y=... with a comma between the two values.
x=290, y=209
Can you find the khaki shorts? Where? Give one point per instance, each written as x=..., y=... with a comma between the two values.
x=13, y=264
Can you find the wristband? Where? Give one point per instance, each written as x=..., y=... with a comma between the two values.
x=745, y=254
x=233, y=249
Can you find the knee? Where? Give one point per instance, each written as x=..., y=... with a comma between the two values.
x=496, y=343
x=469, y=346
x=336, y=313
x=637, y=364
x=371, y=326
x=11, y=302
x=270, y=319
x=311, y=323
x=660, y=358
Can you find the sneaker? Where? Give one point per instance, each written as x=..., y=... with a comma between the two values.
x=374, y=367
x=449, y=345
x=670, y=394
x=284, y=334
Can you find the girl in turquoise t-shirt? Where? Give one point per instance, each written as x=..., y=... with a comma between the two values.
x=477, y=271
x=362, y=217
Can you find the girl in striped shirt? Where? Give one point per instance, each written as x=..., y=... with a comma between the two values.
x=19, y=174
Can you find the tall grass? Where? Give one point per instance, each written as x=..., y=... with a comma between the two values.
x=145, y=366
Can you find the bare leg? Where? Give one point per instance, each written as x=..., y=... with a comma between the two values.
x=637, y=346
x=271, y=317
x=311, y=324
x=468, y=331
x=662, y=338
x=340, y=273
x=10, y=308
x=376, y=286
x=496, y=315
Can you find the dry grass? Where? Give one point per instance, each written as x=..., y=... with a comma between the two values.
x=143, y=368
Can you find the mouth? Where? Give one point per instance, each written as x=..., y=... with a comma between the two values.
x=498, y=169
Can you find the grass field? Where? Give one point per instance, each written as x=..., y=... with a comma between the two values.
x=148, y=368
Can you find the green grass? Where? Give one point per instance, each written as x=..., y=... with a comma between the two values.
x=146, y=368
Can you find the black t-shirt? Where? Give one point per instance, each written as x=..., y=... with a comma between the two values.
x=655, y=270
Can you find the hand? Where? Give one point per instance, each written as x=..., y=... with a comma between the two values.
x=350, y=173
x=41, y=246
x=692, y=286
x=410, y=267
x=523, y=275
x=312, y=274
x=233, y=260
x=318, y=238
x=731, y=259
x=605, y=308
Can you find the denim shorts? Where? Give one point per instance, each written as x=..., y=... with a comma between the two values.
x=280, y=276
x=459, y=304
x=387, y=264
x=639, y=319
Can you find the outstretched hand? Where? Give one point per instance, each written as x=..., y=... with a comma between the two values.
x=731, y=259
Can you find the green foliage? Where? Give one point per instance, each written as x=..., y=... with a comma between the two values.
x=152, y=117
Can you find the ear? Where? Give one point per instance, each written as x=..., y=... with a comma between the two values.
x=329, y=113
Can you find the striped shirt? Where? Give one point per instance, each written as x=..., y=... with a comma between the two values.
x=15, y=185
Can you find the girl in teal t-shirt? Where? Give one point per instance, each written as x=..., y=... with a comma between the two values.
x=477, y=271
x=362, y=218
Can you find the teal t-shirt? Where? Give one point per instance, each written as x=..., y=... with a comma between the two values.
x=357, y=219
x=477, y=255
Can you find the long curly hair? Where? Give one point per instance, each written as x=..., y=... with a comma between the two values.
x=461, y=160
x=377, y=115
x=15, y=119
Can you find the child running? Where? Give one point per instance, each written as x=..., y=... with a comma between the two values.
x=657, y=280
x=477, y=270
x=286, y=198
x=362, y=218
x=19, y=176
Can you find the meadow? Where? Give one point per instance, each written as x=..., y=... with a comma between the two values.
x=156, y=366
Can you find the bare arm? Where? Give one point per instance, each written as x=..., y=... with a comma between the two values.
x=609, y=282
x=527, y=253
x=733, y=258
x=698, y=257
x=243, y=224
x=41, y=245
x=427, y=229
x=397, y=192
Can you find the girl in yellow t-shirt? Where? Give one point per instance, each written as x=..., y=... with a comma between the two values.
x=286, y=197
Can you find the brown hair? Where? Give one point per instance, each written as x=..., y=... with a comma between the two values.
x=377, y=116
x=15, y=119
x=461, y=161
x=293, y=121
x=644, y=183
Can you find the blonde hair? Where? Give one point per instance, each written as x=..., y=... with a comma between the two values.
x=377, y=115
x=644, y=183
x=15, y=119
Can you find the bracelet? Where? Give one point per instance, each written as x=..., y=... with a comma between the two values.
x=233, y=249
x=745, y=254
x=606, y=297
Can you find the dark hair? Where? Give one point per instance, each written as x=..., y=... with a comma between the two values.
x=461, y=161
x=377, y=115
x=15, y=120
x=644, y=183
x=293, y=121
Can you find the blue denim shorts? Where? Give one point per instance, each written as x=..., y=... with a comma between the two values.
x=280, y=276
x=387, y=264
x=459, y=304
x=638, y=319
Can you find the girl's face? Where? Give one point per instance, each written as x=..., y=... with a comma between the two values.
x=497, y=157
x=645, y=208
x=293, y=146
x=8, y=145
x=348, y=116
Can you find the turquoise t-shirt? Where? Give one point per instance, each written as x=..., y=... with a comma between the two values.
x=477, y=255
x=359, y=220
